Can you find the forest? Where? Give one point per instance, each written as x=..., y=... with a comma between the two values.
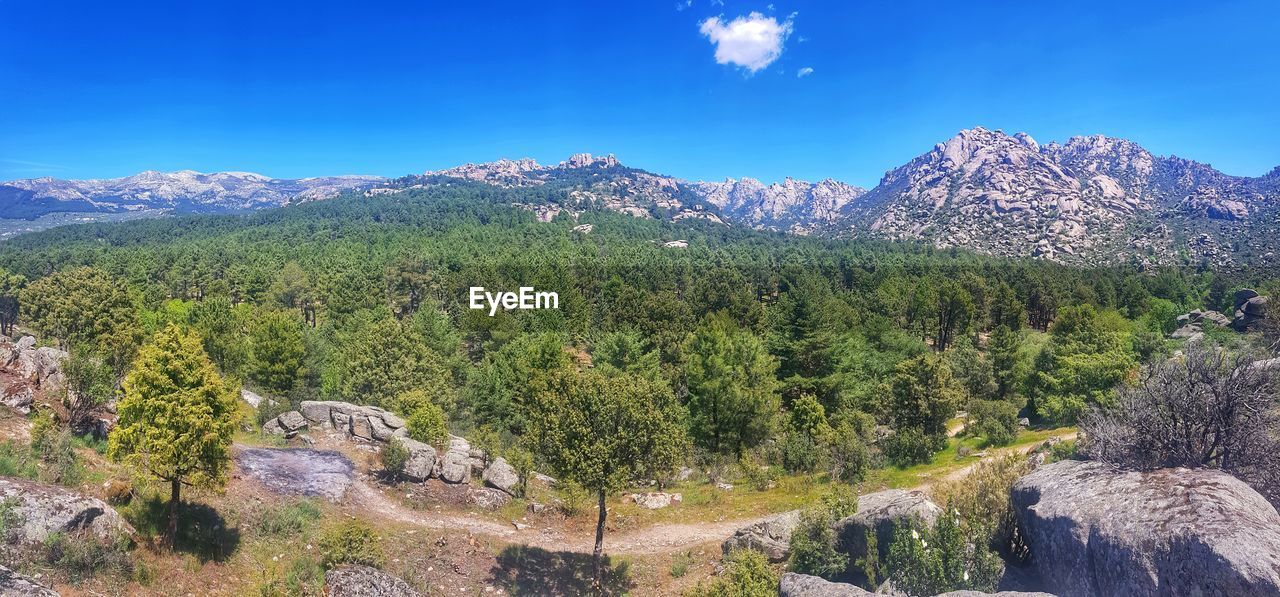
x=777, y=355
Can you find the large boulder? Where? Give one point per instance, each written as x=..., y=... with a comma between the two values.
x=422, y=459
x=289, y=424
x=368, y=423
x=803, y=585
x=363, y=581
x=489, y=498
x=43, y=510
x=455, y=465
x=883, y=512
x=501, y=475
x=1249, y=310
x=771, y=536
x=40, y=366
x=19, y=396
x=13, y=584
x=1095, y=530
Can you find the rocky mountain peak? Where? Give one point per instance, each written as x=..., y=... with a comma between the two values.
x=585, y=160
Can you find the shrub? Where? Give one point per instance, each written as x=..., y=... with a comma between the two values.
x=573, y=498
x=82, y=555
x=747, y=574
x=350, y=542
x=910, y=446
x=799, y=453
x=925, y=561
x=981, y=499
x=849, y=458
x=814, y=542
x=394, y=456
x=681, y=563
x=427, y=425
x=758, y=477
x=995, y=420
x=118, y=492
x=288, y=520
x=522, y=461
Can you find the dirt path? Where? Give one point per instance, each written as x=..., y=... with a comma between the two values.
x=663, y=538
x=657, y=539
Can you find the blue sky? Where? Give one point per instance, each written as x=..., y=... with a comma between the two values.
x=290, y=89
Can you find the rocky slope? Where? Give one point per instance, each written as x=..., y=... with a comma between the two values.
x=1090, y=200
x=183, y=191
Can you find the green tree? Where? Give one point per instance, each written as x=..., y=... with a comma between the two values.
x=1089, y=352
x=10, y=286
x=176, y=417
x=278, y=351
x=87, y=307
x=427, y=425
x=747, y=574
x=601, y=432
x=924, y=396
x=1004, y=347
x=385, y=359
x=731, y=383
x=90, y=383
x=222, y=331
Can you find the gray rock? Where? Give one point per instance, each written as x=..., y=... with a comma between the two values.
x=380, y=430
x=363, y=581
x=996, y=594
x=360, y=426
x=489, y=498
x=292, y=421
x=422, y=460
x=251, y=398
x=273, y=427
x=342, y=422
x=455, y=468
x=19, y=396
x=803, y=585
x=317, y=412
x=47, y=509
x=772, y=536
x=883, y=512
x=13, y=584
x=656, y=500
x=1093, y=530
x=501, y=475
x=298, y=471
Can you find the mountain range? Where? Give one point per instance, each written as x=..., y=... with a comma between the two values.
x=1092, y=199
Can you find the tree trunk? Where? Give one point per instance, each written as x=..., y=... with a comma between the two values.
x=171, y=535
x=598, y=555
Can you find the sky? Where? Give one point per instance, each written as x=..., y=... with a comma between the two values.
x=699, y=89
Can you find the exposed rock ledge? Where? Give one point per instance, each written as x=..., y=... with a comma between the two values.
x=1097, y=531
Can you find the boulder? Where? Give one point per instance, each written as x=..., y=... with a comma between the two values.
x=292, y=421
x=47, y=509
x=1094, y=530
x=253, y=399
x=803, y=585
x=13, y=584
x=422, y=460
x=360, y=426
x=883, y=512
x=771, y=536
x=501, y=475
x=19, y=396
x=656, y=500
x=317, y=412
x=379, y=430
x=363, y=581
x=489, y=498
x=455, y=465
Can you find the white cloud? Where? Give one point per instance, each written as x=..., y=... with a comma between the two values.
x=751, y=42
x=804, y=72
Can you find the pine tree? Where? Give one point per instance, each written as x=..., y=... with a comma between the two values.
x=176, y=418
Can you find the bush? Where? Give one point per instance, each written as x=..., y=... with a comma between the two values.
x=758, y=477
x=981, y=499
x=289, y=520
x=82, y=555
x=925, y=561
x=994, y=420
x=522, y=461
x=394, y=456
x=799, y=453
x=118, y=492
x=813, y=545
x=427, y=425
x=911, y=446
x=747, y=574
x=350, y=542
x=573, y=498
x=849, y=458
x=681, y=563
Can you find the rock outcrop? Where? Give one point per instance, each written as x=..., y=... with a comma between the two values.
x=1094, y=530
x=802, y=585
x=501, y=475
x=289, y=424
x=297, y=471
x=13, y=584
x=882, y=512
x=368, y=423
x=1250, y=308
x=38, y=366
x=363, y=581
x=772, y=536
x=421, y=464
x=43, y=510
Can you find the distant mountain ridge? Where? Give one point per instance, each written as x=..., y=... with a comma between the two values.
x=184, y=191
x=1092, y=199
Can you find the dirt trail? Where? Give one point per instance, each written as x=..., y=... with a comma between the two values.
x=657, y=539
